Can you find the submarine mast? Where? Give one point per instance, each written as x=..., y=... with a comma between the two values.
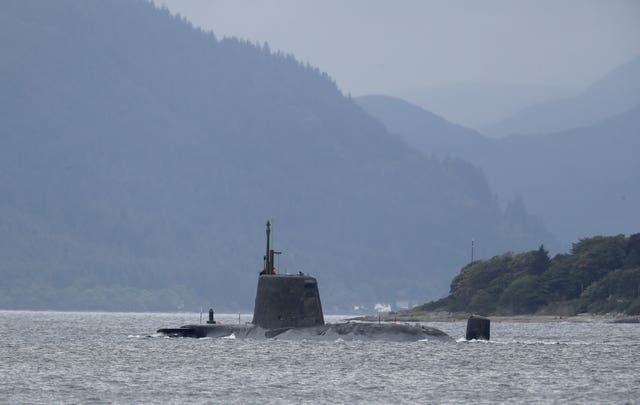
x=268, y=266
x=269, y=256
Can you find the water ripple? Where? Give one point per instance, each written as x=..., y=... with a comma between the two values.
x=116, y=357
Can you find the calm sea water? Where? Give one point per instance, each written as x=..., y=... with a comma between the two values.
x=113, y=357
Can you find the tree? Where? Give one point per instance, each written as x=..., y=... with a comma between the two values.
x=523, y=296
x=541, y=261
x=595, y=257
x=632, y=258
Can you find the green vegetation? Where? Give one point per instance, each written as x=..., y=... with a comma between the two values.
x=600, y=275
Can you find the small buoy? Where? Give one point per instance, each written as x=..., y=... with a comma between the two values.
x=478, y=328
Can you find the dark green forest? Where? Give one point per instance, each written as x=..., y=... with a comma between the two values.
x=141, y=158
x=601, y=274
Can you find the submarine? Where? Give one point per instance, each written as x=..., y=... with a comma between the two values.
x=288, y=307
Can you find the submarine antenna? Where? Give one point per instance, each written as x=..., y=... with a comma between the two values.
x=267, y=257
x=472, y=241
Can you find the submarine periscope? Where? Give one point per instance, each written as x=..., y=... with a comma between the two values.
x=287, y=306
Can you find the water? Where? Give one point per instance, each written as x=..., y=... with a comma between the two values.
x=109, y=357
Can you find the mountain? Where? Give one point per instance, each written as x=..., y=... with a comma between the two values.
x=580, y=182
x=422, y=129
x=141, y=158
x=476, y=105
x=615, y=93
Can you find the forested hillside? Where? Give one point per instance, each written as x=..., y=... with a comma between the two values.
x=600, y=274
x=580, y=182
x=142, y=157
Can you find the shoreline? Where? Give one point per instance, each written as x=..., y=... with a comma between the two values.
x=457, y=317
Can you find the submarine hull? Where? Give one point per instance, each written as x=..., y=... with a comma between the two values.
x=362, y=332
x=329, y=332
x=202, y=331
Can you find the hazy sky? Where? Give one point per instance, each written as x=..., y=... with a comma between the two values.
x=374, y=46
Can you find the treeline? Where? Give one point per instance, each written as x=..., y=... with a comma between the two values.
x=39, y=296
x=601, y=274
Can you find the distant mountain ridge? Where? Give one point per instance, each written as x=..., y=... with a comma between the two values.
x=476, y=105
x=141, y=157
x=617, y=92
x=580, y=182
x=424, y=130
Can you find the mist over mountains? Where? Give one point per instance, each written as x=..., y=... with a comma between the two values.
x=580, y=182
x=141, y=158
x=481, y=105
x=617, y=92
x=425, y=131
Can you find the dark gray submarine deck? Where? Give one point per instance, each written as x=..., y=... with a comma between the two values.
x=289, y=307
x=346, y=331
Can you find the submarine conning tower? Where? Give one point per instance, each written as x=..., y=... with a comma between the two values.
x=284, y=301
